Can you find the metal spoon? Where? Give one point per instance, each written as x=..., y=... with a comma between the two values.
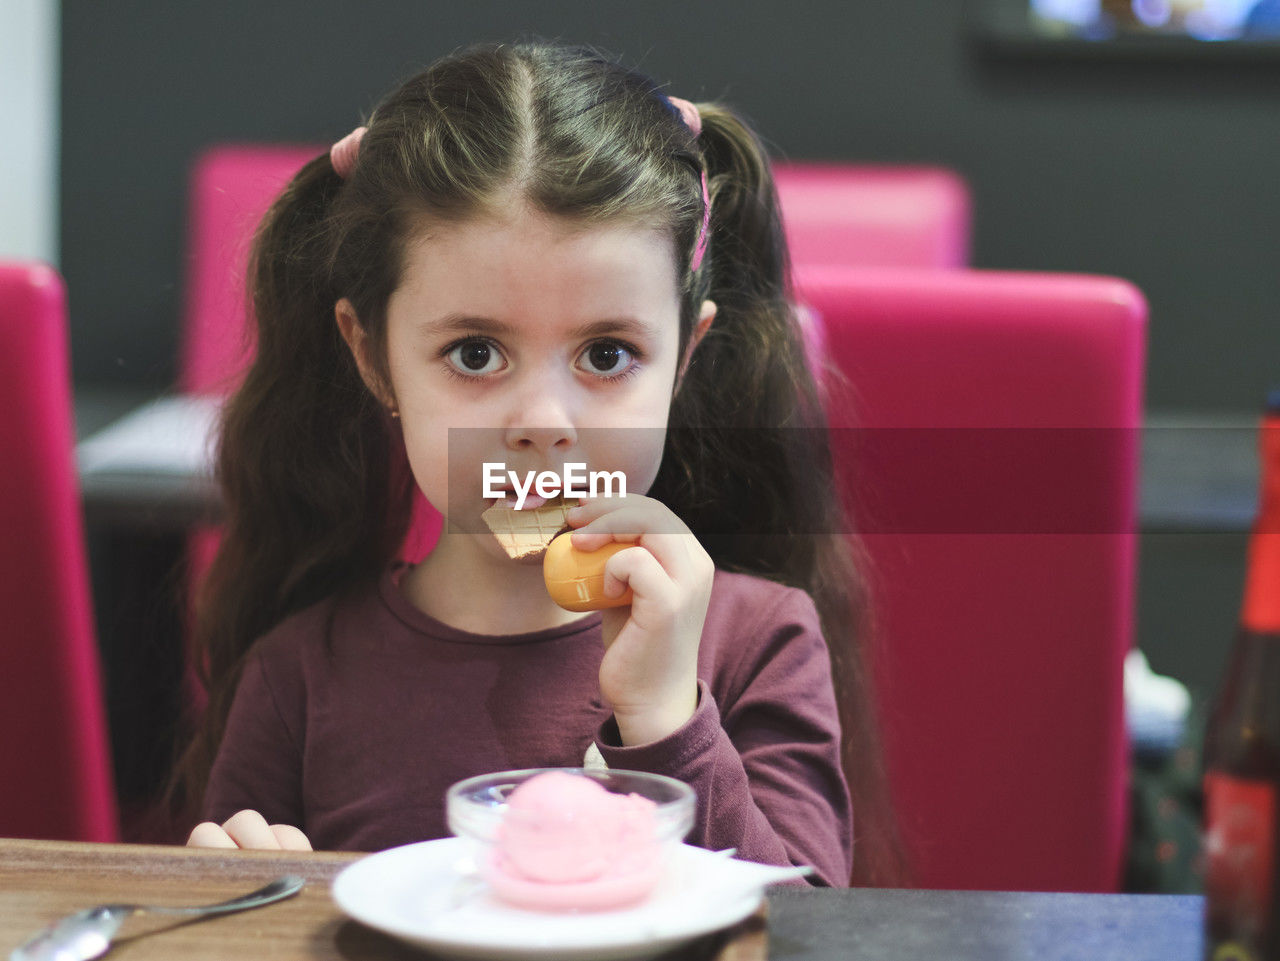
x=88, y=934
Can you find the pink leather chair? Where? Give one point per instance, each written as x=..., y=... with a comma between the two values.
x=54, y=755
x=231, y=188
x=987, y=442
x=874, y=216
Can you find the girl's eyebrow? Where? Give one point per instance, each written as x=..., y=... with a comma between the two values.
x=615, y=325
x=468, y=323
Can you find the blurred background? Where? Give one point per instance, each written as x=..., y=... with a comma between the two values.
x=1153, y=159
x=1162, y=172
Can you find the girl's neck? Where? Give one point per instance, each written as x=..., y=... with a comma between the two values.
x=463, y=586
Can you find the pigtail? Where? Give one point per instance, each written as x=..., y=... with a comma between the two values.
x=749, y=405
x=317, y=497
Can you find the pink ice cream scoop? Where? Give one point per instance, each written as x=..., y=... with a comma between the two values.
x=566, y=843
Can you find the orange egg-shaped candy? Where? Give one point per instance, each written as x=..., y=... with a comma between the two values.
x=575, y=579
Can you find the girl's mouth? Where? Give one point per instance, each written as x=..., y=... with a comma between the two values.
x=511, y=498
x=532, y=499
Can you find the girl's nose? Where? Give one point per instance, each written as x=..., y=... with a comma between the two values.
x=541, y=418
x=544, y=439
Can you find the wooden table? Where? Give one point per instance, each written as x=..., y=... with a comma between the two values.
x=41, y=881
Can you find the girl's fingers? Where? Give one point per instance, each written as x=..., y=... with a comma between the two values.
x=604, y=530
x=209, y=835
x=249, y=829
x=672, y=551
x=637, y=569
x=638, y=509
x=589, y=508
x=290, y=838
x=645, y=522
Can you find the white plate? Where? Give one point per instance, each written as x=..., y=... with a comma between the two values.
x=430, y=894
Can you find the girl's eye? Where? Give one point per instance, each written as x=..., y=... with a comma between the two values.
x=475, y=357
x=607, y=358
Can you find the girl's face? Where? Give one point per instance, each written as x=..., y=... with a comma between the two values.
x=531, y=341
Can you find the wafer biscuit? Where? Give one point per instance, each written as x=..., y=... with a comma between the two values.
x=527, y=533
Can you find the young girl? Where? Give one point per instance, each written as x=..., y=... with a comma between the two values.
x=534, y=243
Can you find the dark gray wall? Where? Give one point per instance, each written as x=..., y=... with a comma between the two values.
x=1164, y=173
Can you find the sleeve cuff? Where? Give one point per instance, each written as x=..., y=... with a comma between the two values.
x=670, y=754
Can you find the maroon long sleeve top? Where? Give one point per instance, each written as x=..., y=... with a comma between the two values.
x=351, y=719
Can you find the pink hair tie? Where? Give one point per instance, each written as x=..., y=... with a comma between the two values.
x=343, y=154
x=689, y=111
x=693, y=120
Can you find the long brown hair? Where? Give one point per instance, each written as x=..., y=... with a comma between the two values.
x=317, y=492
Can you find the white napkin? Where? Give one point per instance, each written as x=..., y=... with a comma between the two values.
x=1156, y=707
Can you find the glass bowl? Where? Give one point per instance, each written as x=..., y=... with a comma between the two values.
x=564, y=846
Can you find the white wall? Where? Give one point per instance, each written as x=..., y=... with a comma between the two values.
x=29, y=129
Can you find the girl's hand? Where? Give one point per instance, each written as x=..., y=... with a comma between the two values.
x=248, y=829
x=650, y=669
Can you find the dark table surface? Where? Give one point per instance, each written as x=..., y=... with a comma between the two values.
x=982, y=926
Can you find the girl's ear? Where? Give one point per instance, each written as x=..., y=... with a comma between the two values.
x=705, y=316
x=357, y=339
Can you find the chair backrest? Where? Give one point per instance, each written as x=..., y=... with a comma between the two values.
x=231, y=188
x=873, y=216
x=54, y=754
x=987, y=444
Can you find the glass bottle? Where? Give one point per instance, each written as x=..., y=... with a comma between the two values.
x=1242, y=748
